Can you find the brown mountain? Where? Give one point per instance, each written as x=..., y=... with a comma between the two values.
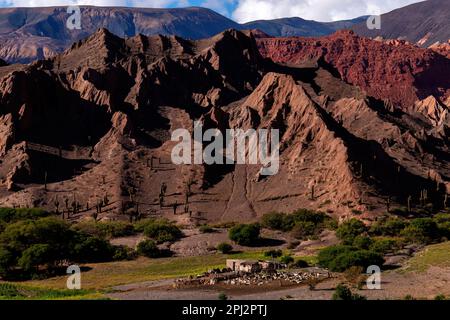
x=394, y=71
x=423, y=23
x=95, y=122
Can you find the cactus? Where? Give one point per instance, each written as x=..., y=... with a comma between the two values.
x=45, y=180
x=312, y=192
x=95, y=216
x=56, y=204
x=131, y=194
x=161, y=200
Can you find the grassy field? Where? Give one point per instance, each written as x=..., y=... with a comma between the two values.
x=437, y=255
x=103, y=276
x=10, y=291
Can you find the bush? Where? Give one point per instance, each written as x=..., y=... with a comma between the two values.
x=342, y=292
x=422, y=230
x=362, y=242
x=19, y=236
x=349, y=230
x=383, y=246
x=107, y=230
x=206, y=229
x=93, y=249
x=222, y=296
x=7, y=261
x=340, y=258
x=300, y=264
x=304, y=230
x=149, y=249
x=28, y=244
x=277, y=221
x=9, y=215
x=162, y=231
x=225, y=248
x=245, y=234
x=305, y=215
x=286, y=259
x=36, y=255
x=391, y=227
x=123, y=253
x=273, y=254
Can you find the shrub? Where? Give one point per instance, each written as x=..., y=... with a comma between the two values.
x=162, y=231
x=7, y=261
x=148, y=248
x=93, y=249
x=286, y=259
x=342, y=292
x=388, y=227
x=383, y=246
x=19, y=236
x=36, y=255
x=225, y=248
x=277, y=221
x=273, y=254
x=304, y=230
x=123, y=253
x=108, y=230
x=422, y=230
x=310, y=216
x=28, y=244
x=13, y=215
x=245, y=234
x=300, y=264
x=340, y=258
x=222, y=296
x=362, y=242
x=349, y=230
x=206, y=229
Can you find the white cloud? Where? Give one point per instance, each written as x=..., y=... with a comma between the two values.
x=319, y=10
x=219, y=6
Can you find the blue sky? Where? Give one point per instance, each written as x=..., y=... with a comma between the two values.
x=248, y=10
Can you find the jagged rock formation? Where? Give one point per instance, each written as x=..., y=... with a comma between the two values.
x=94, y=123
x=28, y=34
x=396, y=72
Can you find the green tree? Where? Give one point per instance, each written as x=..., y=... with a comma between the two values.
x=224, y=247
x=245, y=234
x=349, y=230
x=35, y=256
x=149, y=249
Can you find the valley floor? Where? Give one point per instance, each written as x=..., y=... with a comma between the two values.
x=424, y=276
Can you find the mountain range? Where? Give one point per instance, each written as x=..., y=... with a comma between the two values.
x=27, y=34
x=364, y=126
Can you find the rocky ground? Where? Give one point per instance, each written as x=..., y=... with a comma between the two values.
x=395, y=285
